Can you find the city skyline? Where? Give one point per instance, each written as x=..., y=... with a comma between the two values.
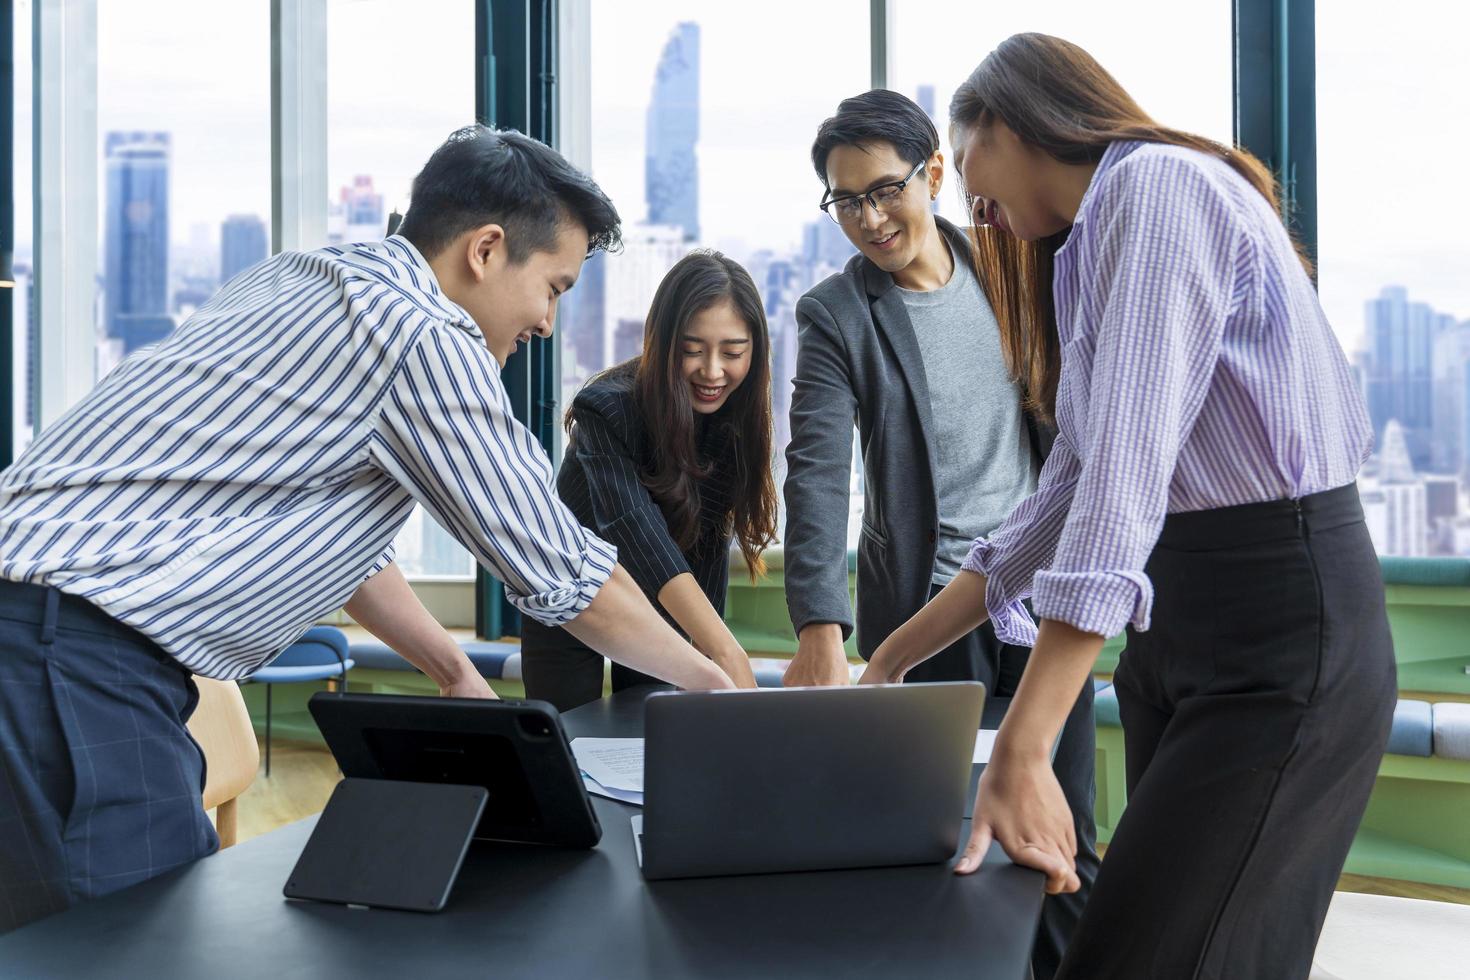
x=754, y=190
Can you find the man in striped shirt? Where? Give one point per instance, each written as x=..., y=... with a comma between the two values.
x=220, y=492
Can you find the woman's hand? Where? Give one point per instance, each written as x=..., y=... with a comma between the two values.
x=885, y=667
x=734, y=661
x=1020, y=805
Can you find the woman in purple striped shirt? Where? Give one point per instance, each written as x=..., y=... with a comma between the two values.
x=1201, y=496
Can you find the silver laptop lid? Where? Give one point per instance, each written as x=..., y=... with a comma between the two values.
x=802, y=779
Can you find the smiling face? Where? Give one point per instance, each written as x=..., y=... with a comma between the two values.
x=714, y=356
x=894, y=240
x=514, y=301
x=1008, y=180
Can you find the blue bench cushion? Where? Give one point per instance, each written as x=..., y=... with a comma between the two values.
x=1105, y=706
x=1413, y=729
x=317, y=655
x=296, y=675
x=494, y=661
x=1425, y=571
x=1452, y=730
x=1416, y=725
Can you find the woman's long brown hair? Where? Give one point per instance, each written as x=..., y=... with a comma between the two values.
x=1056, y=97
x=673, y=469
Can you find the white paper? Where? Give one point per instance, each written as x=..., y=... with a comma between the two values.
x=621, y=795
x=615, y=763
x=984, y=742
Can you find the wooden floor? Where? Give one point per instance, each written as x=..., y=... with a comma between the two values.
x=302, y=777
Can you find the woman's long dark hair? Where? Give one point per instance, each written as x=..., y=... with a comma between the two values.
x=673, y=471
x=1055, y=96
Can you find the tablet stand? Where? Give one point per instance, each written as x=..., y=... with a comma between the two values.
x=388, y=843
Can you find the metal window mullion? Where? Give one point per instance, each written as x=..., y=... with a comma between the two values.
x=1275, y=68
x=880, y=42
x=64, y=165
x=298, y=124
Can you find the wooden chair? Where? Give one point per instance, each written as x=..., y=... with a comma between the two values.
x=221, y=726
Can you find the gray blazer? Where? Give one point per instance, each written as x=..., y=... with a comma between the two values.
x=858, y=360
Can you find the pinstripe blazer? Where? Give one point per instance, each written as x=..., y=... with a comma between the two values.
x=600, y=482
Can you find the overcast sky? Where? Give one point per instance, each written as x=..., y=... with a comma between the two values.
x=1393, y=107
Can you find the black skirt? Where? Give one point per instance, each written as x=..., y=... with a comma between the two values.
x=1255, y=712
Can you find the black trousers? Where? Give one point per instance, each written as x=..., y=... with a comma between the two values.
x=558, y=669
x=1255, y=712
x=100, y=781
x=981, y=656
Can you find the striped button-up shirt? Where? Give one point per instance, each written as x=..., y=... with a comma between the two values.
x=225, y=489
x=1198, y=371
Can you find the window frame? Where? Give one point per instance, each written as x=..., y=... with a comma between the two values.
x=531, y=59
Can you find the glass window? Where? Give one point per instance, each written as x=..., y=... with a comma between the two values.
x=24, y=389
x=937, y=43
x=702, y=124
x=184, y=197
x=1391, y=141
x=400, y=79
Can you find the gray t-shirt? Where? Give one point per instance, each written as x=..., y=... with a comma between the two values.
x=984, y=467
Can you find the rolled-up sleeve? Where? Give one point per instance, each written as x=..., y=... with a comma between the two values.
x=447, y=434
x=623, y=511
x=1157, y=285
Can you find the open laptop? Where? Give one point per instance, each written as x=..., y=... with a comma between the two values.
x=805, y=779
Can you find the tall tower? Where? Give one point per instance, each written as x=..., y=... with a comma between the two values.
x=242, y=243
x=136, y=259
x=671, y=164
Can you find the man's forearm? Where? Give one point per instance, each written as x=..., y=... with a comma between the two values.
x=386, y=606
x=622, y=626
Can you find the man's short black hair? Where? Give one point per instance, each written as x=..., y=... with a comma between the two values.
x=877, y=116
x=483, y=176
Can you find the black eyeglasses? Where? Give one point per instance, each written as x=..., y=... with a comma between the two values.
x=884, y=199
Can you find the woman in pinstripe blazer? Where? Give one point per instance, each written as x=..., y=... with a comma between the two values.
x=669, y=459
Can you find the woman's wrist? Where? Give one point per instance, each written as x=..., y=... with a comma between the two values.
x=888, y=660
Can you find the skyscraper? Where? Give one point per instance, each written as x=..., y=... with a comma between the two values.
x=136, y=258
x=924, y=96
x=671, y=164
x=357, y=215
x=242, y=243
x=1401, y=338
x=824, y=244
x=1394, y=504
x=582, y=315
x=649, y=251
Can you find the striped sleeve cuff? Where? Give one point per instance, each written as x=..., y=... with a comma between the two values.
x=1095, y=602
x=561, y=605
x=1008, y=615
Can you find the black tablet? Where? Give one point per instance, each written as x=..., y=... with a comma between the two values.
x=516, y=750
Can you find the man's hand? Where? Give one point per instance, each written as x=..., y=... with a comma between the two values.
x=621, y=625
x=820, y=660
x=472, y=685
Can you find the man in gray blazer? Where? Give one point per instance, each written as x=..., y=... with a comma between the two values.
x=903, y=343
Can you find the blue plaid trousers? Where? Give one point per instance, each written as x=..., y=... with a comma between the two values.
x=100, y=782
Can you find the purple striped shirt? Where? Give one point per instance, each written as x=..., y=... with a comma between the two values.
x=1198, y=371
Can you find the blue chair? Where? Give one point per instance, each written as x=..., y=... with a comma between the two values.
x=320, y=654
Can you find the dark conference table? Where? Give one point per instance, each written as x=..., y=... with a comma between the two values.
x=523, y=911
